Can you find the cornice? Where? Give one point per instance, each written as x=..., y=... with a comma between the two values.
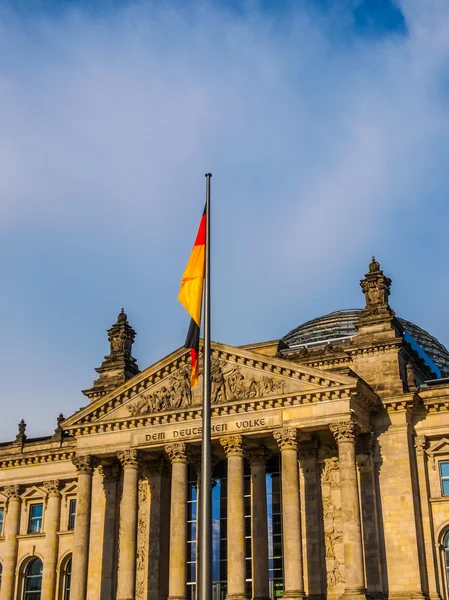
x=23, y=460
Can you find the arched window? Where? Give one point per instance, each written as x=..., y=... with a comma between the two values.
x=67, y=579
x=446, y=555
x=1, y=573
x=33, y=580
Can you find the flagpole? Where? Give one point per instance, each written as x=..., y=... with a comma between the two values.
x=205, y=508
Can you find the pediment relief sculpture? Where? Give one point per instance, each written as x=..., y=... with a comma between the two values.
x=438, y=448
x=229, y=382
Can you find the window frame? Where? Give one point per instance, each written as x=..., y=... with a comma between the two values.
x=67, y=578
x=2, y=521
x=71, y=516
x=443, y=478
x=33, y=594
x=31, y=518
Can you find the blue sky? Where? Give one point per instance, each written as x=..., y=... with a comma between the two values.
x=325, y=125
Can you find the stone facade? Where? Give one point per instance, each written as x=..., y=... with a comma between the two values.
x=359, y=430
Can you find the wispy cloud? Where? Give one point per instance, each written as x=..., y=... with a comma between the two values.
x=327, y=143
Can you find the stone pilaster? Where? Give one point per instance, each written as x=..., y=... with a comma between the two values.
x=158, y=559
x=258, y=460
x=110, y=477
x=52, y=523
x=312, y=519
x=427, y=518
x=178, y=455
x=369, y=516
x=11, y=531
x=234, y=450
x=345, y=434
x=80, y=557
x=287, y=440
x=128, y=526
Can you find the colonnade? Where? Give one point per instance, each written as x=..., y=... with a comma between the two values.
x=235, y=450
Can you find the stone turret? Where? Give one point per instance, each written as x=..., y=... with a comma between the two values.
x=119, y=365
x=377, y=318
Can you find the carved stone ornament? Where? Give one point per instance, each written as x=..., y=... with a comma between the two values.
x=142, y=536
x=129, y=459
x=345, y=431
x=12, y=492
x=228, y=383
x=332, y=518
x=233, y=445
x=83, y=464
x=52, y=488
x=420, y=444
x=287, y=439
x=177, y=452
x=376, y=288
x=258, y=456
x=21, y=436
x=109, y=473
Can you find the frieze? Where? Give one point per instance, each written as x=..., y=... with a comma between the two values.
x=228, y=383
x=193, y=430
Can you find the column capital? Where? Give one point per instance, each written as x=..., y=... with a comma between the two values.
x=345, y=431
x=129, y=459
x=258, y=456
x=308, y=450
x=52, y=488
x=83, y=464
x=178, y=452
x=12, y=492
x=420, y=444
x=233, y=445
x=287, y=439
x=109, y=472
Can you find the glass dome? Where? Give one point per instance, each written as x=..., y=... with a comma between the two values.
x=339, y=326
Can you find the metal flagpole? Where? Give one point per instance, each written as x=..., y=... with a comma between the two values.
x=205, y=508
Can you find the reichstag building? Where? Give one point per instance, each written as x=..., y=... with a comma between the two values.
x=330, y=468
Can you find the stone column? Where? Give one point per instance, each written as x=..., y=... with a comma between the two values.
x=177, y=581
x=11, y=531
x=80, y=557
x=126, y=581
x=344, y=434
x=427, y=518
x=312, y=519
x=52, y=523
x=258, y=460
x=234, y=450
x=287, y=441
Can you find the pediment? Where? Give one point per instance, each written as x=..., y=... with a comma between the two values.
x=439, y=447
x=32, y=493
x=236, y=375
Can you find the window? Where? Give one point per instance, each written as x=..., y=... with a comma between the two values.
x=446, y=556
x=1, y=573
x=444, y=474
x=2, y=517
x=67, y=579
x=35, y=523
x=33, y=580
x=72, y=512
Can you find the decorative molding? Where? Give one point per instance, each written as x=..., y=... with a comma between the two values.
x=287, y=439
x=233, y=445
x=332, y=519
x=178, y=452
x=35, y=459
x=12, y=492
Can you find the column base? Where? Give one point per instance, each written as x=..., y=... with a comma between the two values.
x=294, y=595
x=354, y=594
x=236, y=597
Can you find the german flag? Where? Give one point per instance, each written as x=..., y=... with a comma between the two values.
x=191, y=295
